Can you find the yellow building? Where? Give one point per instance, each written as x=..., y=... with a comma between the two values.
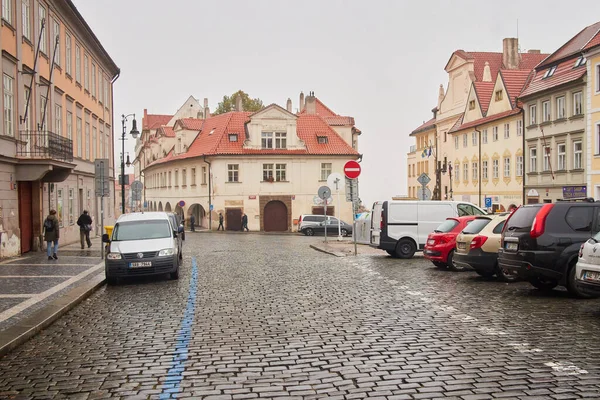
x=57, y=118
x=592, y=54
x=420, y=160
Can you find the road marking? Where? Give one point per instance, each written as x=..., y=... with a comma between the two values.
x=16, y=259
x=175, y=373
x=35, y=276
x=15, y=296
x=11, y=312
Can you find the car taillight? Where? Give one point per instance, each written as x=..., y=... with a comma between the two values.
x=539, y=222
x=382, y=222
x=300, y=220
x=581, y=250
x=446, y=238
x=478, y=241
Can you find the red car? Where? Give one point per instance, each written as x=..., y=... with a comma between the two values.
x=442, y=241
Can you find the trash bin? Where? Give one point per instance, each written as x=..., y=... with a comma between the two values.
x=109, y=229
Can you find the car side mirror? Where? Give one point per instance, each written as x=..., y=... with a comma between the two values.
x=105, y=238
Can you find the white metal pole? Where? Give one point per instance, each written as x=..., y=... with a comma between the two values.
x=326, y=220
x=339, y=221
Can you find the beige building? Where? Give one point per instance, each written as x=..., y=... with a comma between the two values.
x=268, y=164
x=57, y=118
x=592, y=54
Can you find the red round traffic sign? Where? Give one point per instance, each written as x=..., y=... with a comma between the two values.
x=352, y=169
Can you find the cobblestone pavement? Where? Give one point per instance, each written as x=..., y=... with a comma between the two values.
x=259, y=316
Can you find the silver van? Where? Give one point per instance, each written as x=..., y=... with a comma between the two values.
x=142, y=244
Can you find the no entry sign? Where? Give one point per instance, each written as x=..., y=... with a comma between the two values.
x=352, y=169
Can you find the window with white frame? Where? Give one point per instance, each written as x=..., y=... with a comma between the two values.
x=280, y=140
x=520, y=127
x=465, y=140
x=519, y=165
x=106, y=101
x=577, y=154
x=484, y=170
x=597, y=139
x=268, y=172
x=326, y=170
x=68, y=54
x=72, y=206
x=233, y=173
x=495, y=168
x=546, y=158
x=204, y=175
x=58, y=119
x=465, y=172
x=474, y=138
x=184, y=177
x=59, y=208
x=43, y=37
x=507, y=167
x=56, y=33
x=561, y=153
x=495, y=134
x=280, y=172
x=7, y=10
x=94, y=142
x=43, y=103
x=484, y=137
x=86, y=73
x=79, y=129
x=597, y=78
x=532, y=159
x=93, y=79
x=267, y=140
x=176, y=173
x=87, y=139
x=101, y=147
x=560, y=107
x=456, y=142
x=506, y=131
x=9, y=105
x=532, y=114
x=77, y=64
x=577, y=103
x=69, y=125
x=26, y=18
x=193, y=176
x=546, y=111
x=475, y=171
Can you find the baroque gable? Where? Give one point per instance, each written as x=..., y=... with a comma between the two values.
x=500, y=100
x=273, y=120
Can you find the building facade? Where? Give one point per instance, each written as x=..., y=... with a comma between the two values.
x=57, y=118
x=592, y=54
x=268, y=164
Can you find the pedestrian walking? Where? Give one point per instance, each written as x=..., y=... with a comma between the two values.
x=245, y=223
x=85, y=227
x=51, y=235
x=220, y=222
x=192, y=222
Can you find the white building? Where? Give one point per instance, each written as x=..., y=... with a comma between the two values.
x=268, y=164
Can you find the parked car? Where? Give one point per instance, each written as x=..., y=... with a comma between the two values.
x=177, y=223
x=478, y=244
x=307, y=220
x=441, y=242
x=541, y=242
x=401, y=227
x=332, y=228
x=587, y=275
x=142, y=244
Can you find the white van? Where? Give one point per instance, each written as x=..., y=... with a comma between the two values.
x=401, y=227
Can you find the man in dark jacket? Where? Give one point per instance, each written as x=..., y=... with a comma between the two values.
x=220, y=222
x=51, y=235
x=245, y=223
x=85, y=226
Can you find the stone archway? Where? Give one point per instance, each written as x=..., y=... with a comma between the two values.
x=275, y=216
x=199, y=215
x=287, y=202
x=160, y=206
x=168, y=207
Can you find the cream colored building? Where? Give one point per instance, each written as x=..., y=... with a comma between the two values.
x=592, y=54
x=268, y=164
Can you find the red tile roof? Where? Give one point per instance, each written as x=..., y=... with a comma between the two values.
x=339, y=121
x=166, y=131
x=479, y=58
x=425, y=126
x=573, y=47
x=595, y=41
x=154, y=121
x=484, y=92
x=191, y=124
x=481, y=121
x=321, y=109
x=514, y=82
x=564, y=73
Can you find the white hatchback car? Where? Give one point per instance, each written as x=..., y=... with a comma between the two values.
x=588, y=267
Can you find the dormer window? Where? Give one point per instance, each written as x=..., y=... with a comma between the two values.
x=274, y=140
x=233, y=137
x=580, y=61
x=550, y=72
x=322, y=139
x=267, y=140
x=498, y=95
x=472, y=105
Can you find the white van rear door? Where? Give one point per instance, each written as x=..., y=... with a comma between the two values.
x=431, y=215
x=376, y=222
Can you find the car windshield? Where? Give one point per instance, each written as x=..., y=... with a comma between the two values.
x=522, y=219
x=141, y=230
x=476, y=226
x=446, y=226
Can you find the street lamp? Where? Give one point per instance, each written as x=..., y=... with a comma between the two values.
x=134, y=133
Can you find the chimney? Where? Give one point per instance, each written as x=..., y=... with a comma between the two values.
x=487, y=72
x=206, y=110
x=238, y=103
x=510, y=53
x=301, y=101
x=205, y=102
x=289, y=105
x=311, y=104
x=440, y=95
x=534, y=51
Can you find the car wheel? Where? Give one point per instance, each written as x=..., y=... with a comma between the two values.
x=572, y=286
x=505, y=275
x=309, y=232
x=392, y=253
x=485, y=274
x=543, y=283
x=440, y=265
x=405, y=248
x=175, y=275
x=452, y=266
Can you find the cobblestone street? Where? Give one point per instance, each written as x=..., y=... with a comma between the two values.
x=265, y=316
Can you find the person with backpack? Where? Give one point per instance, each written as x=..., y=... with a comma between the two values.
x=51, y=235
x=85, y=227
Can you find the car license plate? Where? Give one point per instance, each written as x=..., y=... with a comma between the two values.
x=512, y=246
x=431, y=242
x=591, y=276
x=140, y=264
x=461, y=246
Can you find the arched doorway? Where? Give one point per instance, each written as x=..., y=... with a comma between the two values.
x=160, y=207
x=199, y=214
x=168, y=207
x=275, y=217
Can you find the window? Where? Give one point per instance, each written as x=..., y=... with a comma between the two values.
x=184, y=177
x=597, y=78
x=7, y=9
x=519, y=162
x=59, y=208
x=562, y=157
x=546, y=159
x=58, y=119
x=43, y=39
x=532, y=159
x=326, y=170
x=580, y=218
x=78, y=127
x=280, y=172
x=507, y=167
x=495, y=134
x=577, y=151
x=193, y=176
x=597, y=139
x=322, y=139
x=72, y=206
x=9, y=105
x=456, y=142
x=68, y=54
x=498, y=96
x=204, y=175
x=546, y=111
x=577, y=106
x=579, y=62
x=233, y=173
x=69, y=125
x=520, y=128
x=109, y=149
x=280, y=140
x=43, y=102
x=233, y=137
x=268, y=172
x=495, y=168
x=465, y=140
x=176, y=178
x=549, y=72
x=484, y=170
x=457, y=172
x=56, y=31
x=475, y=171
x=77, y=64
x=484, y=138
x=26, y=16
x=93, y=79
x=86, y=73
x=267, y=140
x=170, y=179
x=106, y=89
x=465, y=172
x=532, y=114
x=560, y=107
x=506, y=131
x=87, y=141
x=101, y=147
x=472, y=105
x=474, y=138
x=94, y=142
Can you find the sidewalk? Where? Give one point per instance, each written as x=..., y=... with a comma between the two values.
x=35, y=291
x=345, y=248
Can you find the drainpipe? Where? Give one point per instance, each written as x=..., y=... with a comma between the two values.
x=524, y=147
x=479, y=167
x=209, y=193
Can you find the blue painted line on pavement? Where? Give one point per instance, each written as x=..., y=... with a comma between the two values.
x=175, y=373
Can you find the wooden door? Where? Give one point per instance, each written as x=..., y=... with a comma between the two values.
x=26, y=215
x=233, y=219
x=275, y=217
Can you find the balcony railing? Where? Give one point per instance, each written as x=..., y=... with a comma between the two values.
x=44, y=145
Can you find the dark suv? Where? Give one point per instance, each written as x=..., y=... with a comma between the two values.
x=541, y=242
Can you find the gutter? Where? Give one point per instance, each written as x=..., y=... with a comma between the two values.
x=479, y=162
x=209, y=192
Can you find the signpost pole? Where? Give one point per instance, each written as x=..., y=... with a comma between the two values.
x=337, y=188
x=325, y=208
x=102, y=209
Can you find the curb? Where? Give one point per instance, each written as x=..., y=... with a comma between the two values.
x=322, y=250
x=24, y=330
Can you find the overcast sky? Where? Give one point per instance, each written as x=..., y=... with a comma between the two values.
x=378, y=61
